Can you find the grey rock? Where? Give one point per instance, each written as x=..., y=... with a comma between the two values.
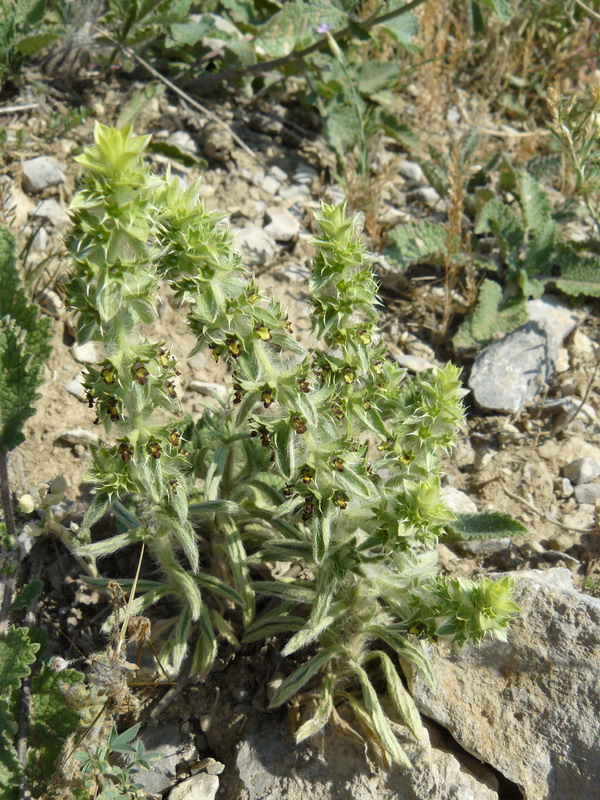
x=563, y=487
x=257, y=246
x=587, y=493
x=183, y=140
x=52, y=210
x=88, y=353
x=208, y=389
x=412, y=363
x=411, y=171
x=509, y=373
x=305, y=175
x=277, y=173
x=79, y=436
x=75, y=387
x=198, y=787
x=457, y=501
x=558, y=316
x=582, y=345
x=166, y=740
x=528, y=706
x=272, y=767
x=270, y=184
x=283, y=226
x=483, y=548
x=570, y=408
x=582, y=470
x=294, y=193
x=40, y=173
x=429, y=196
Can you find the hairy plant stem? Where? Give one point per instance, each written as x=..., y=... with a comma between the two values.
x=9, y=558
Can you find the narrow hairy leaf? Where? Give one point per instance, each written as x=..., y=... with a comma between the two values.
x=301, y=676
x=378, y=719
x=322, y=712
x=400, y=697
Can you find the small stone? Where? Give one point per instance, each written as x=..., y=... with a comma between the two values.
x=40, y=173
x=256, y=245
x=283, y=226
x=429, y=196
x=570, y=409
x=412, y=172
x=215, y=768
x=183, y=140
x=483, y=548
x=563, y=488
x=563, y=363
x=52, y=210
x=79, y=436
x=198, y=787
x=582, y=470
x=510, y=373
x=294, y=193
x=587, y=493
x=456, y=501
x=412, y=363
x=50, y=301
x=304, y=175
x=556, y=315
x=208, y=389
x=582, y=345
x=270, y=184
x=88, y=353
x=217, y=142
x=76, y=387
x=277, y=173
x=239, y=694
x=166, y=740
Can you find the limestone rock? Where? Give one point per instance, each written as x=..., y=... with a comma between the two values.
x=588, y=494
x=528, y=706
x=256, y=245
x=509, y=373
x=52, y=210
x=272, y=767
x=556, y=315
x=283, y=226
x=198, y=787
x=40, y=173
x=582, y=470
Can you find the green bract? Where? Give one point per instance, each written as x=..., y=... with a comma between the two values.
x=324, y=457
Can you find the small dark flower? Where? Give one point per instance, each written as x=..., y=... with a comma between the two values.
x=140, y=373
x=299, y=424
x=364, y=336
x=377, y=367
x=307, y=474
x=337, y=411
x=309, y=507
x=175, y=438
x=338, y=463
x=108, y=374
x=170, y=390
x=303, y=386
x=113, y=412
x=173, y=485
x=340, y=500
x=163, y=358
x=233, y=346
x=263, y=332
x=267, y=397
x=237, y=393
x=125, y=452
x=349, y=375
x=154, y=449
x=90, y=400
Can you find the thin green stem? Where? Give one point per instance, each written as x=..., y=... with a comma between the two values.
x=9, y=561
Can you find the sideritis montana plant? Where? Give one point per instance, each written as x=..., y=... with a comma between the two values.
x=323, y=458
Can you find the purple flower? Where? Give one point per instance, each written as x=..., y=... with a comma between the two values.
x=324, y=27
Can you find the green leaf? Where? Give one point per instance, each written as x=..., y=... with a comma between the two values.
x=501, y=8
x=416, y=243
x=176, y=153
x=51, y=722
x=301, y=676
x=379, y=721
x=579, y=275
x=483, y=525
x=27, y=595
x=400, y=697
x=490, y=317
x=403, y=29
x=17, y=652
x=10, y=766
x=34, y=42
x=322, y=712
x=374, y=75
x=535, y=204
x=134, y=107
